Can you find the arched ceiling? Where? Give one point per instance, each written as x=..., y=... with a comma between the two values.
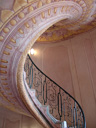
x=62, y=30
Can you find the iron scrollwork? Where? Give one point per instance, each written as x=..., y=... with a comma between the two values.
x=62, y=105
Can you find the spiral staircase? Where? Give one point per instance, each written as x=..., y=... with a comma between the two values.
x=57, y=106
x=24, y=88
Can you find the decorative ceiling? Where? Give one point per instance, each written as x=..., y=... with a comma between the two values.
x=64, y=29
x=82, y=11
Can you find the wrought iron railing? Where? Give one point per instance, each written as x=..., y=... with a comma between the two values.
x=62, y=105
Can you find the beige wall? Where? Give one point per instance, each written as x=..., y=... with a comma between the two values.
x=72, y=64
x=9, y=119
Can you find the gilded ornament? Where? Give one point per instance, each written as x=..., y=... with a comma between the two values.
x=3, y=78
x=30, y=9
x=1, y=38
x=18, y=4
x=13, y=22
x=9, y=47
x=62, y=9
x=10, y=94
x=3, y=72
x=20, y=30
x=2, y=92
x=30, y=1
x=6, y=30
x=27, y=25
x=4, y=61
x=1, y=23
x=55, y=10
x=49, y=11
x=48, y=1
x=6, y=53
x=12, y=40
x=4, y=83
x=3, y=66
x=21, y=15
x=39, y=4
x=6, y=88
x=5, y=14
x=93, y=15
x=33, y=20
x=43, y=15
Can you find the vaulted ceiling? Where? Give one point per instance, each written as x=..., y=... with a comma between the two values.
x=82, y=17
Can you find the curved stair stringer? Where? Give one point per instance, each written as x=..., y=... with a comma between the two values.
x=43, y=109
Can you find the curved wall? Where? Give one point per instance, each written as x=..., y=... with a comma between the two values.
x=72, y=64
x=9, y=119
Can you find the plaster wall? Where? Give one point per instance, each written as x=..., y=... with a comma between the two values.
x=72, y=64
x=9, y=119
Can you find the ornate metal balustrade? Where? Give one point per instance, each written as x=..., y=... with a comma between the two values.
x=61, y=104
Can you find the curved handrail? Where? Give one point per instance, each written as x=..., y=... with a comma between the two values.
x=74, y=110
